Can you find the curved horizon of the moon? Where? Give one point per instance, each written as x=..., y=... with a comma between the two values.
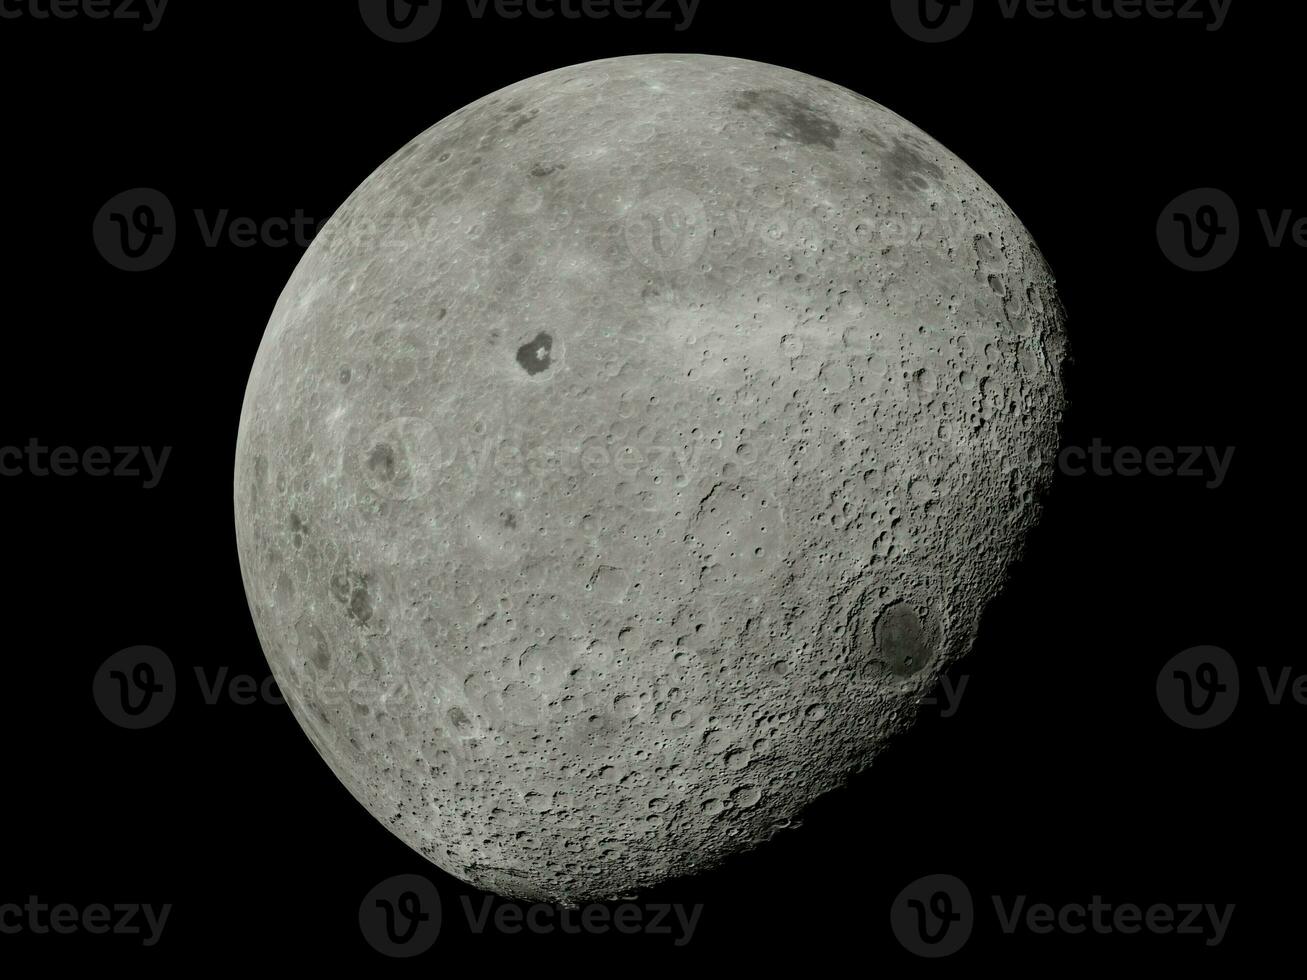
x=630, y=453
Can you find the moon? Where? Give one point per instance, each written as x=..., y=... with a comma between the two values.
x=629, y=455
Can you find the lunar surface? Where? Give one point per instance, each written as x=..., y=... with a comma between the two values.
x=630, y=454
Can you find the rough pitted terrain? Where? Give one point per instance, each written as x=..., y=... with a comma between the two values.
x=629, y=455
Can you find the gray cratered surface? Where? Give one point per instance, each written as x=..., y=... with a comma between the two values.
x=630, y=454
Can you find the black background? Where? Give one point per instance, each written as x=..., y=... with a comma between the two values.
x=1059, y=777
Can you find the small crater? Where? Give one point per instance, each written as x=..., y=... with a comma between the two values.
x=536, y=356
x=543, y=170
